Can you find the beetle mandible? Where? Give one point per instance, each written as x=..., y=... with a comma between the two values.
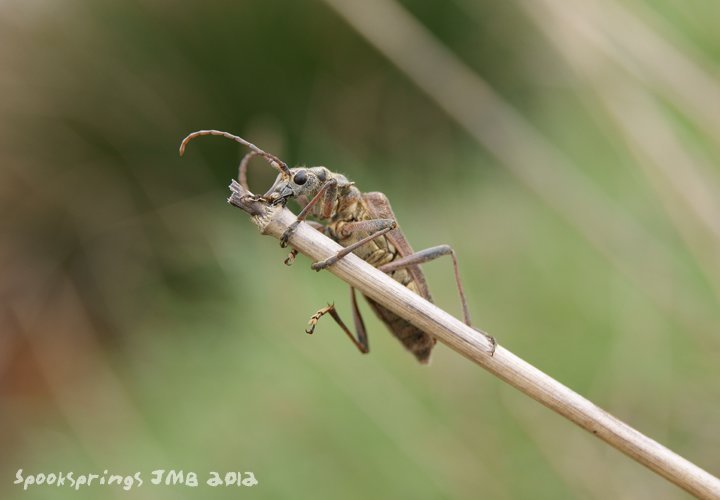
x=365, y=225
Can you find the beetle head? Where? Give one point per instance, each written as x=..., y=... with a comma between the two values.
x=302, y=181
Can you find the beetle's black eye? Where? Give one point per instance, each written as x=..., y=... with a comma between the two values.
x=300, y=178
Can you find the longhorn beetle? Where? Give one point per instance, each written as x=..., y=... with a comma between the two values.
x=365, y=225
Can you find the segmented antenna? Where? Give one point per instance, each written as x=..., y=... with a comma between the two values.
x=273, y=160
x=242, y=169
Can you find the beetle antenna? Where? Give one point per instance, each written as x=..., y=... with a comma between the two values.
x=274, y=161
x=242, y=169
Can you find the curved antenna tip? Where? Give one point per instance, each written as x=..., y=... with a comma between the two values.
x=274, y=161
x=185, y=141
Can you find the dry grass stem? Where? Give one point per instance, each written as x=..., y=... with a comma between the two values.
x=274, y=220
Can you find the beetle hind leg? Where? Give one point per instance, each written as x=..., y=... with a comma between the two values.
x=433, y=253
x=361, y=341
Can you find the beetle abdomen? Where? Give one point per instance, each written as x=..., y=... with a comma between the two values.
x=380, y=251
x=415, y=340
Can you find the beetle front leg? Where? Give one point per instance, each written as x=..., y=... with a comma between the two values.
x=293, y=253
x=327, y=193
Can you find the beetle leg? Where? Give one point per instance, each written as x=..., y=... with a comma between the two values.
x=329, y=188
x=359, y=323
x=361, y=342
x=383, y=225
x=291, y=257
x=328, y=203
x=426, y=256
x=366, y=226
x=293, y=253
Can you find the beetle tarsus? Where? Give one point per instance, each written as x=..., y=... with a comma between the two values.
x=288, y=232
x=291, y=257
x=316, y=317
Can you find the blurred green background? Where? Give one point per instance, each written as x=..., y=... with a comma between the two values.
x=567, y=150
